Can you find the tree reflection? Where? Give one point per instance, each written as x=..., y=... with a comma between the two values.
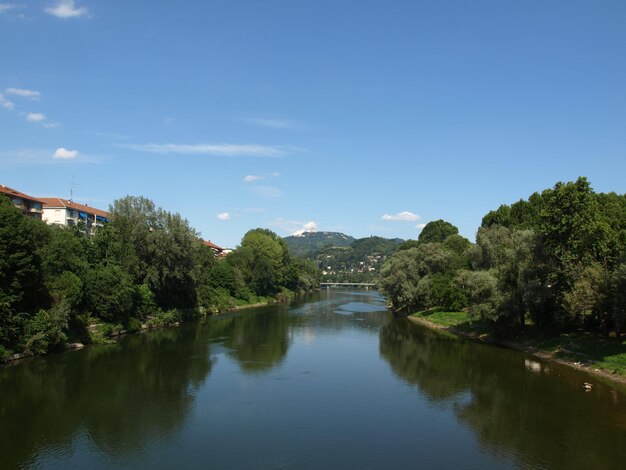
x=539, y=416
x=122, y=402
x=257, y=341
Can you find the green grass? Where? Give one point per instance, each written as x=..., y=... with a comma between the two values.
x=446, y=319
x=607, y=354
x=460, y=321
x=603, y=353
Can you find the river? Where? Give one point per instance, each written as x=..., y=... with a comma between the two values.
x=333, y=381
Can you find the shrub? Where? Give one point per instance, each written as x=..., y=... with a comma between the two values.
x=165, y=318
x=46, y=330
x=5, y=354
x=134, y=324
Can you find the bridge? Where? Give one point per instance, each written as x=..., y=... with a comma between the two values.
x=367, y=285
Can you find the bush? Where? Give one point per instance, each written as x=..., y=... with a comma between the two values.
x=146, y=304
x=134, y=324
x=102, y=333
x=46, y=330
x=5, y=354
x=165, y=318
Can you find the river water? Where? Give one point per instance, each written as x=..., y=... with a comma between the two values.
x=331, y=382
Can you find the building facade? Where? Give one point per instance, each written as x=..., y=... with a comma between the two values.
x=59, y=211
x=30, y=206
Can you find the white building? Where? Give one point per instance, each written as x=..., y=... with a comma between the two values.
x=68, y=213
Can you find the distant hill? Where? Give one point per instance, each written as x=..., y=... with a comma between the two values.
x=341, y=257
x=309, y=244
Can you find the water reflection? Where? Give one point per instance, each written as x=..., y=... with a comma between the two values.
x=208, y=392
x=122, y=403
x=515, y=405
x=258, y=340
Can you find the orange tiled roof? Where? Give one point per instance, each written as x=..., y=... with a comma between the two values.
x=212, y=245
x=60, y=202
x=14, y=193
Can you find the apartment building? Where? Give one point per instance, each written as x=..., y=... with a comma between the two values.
x=64, y=212
x=30, y=206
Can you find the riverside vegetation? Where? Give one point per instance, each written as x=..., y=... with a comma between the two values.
x=549, y=271
x=147, y=266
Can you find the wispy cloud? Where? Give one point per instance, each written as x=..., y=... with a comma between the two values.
x=251, y=178
x=43, y=156
x=273, y=123
x=294, y=227
x=420, y=226
x=221, y=150
x=5, y=103
x=223, y=216
x=405, y=216
x=268, y=192
x=8, y=6
x=67, y=9
x=109, y=135
x=24, y=93
x=65, y=154
x=35, y=117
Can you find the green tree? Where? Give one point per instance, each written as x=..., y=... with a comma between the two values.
x=21, y=275
x=262, y=258
x=109, y=293
x=437, y=231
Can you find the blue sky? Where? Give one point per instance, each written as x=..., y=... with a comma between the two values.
x=366, y=117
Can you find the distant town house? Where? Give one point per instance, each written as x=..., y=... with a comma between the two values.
x=30, y=206
x=217, y=250
x=58, y=211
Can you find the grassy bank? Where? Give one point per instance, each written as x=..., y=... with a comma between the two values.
x=94, y=331
x=578, y=349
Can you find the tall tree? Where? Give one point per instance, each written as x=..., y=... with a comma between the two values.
x=437, y=231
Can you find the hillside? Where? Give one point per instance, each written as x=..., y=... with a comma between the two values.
x=310, y=244
x=341, y=257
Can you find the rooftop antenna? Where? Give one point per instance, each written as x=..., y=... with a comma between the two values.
x=73, y=185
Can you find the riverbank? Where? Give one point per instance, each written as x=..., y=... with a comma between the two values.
x=599, y=356
x=104, y=333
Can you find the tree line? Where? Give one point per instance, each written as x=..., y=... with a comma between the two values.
x=556, y=260
x=146, y=265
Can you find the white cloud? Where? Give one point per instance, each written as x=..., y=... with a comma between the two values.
x=310, y=226
x=35, y=117
x=5, y=103
x=65, y=153
x=67, y=9
x=273, y=123
x=222, y=150
x=268, y=192
x=50, y=125
x=24, y=93
x=403, y=216
x=294, y=227
x=223, y=216
x=251, y=178
x=420, y=226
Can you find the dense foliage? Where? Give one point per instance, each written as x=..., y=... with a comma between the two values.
x=146, y=265
x=556, y=260
x=342, y=258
